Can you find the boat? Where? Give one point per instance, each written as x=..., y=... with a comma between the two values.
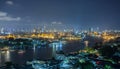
x=21, y=51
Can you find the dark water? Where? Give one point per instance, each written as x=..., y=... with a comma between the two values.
x=39, y=53
x=29, y=54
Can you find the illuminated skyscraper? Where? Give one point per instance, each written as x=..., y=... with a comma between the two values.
x=2, y=31
x=90, y=30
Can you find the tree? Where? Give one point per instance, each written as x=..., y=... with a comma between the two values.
x=107, y=67
x=86, y=65
x=8, y=64
x=107, y=51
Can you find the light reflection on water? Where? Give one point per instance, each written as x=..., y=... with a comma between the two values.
x=34, y=53
x=7, y=55
x=4, y=57
x=21, y=58
x=0, y=57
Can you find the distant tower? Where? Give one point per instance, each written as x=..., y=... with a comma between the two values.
x=97, y=29
x=44, y=28
x=2, y=31
x=86, y=43
x=90, y=29
x=34, y=30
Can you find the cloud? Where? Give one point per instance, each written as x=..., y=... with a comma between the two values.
x=9, y=2
x=57, y=23
x=10, y=19
x=54, y=22
x=4, y=17
x=3, y=14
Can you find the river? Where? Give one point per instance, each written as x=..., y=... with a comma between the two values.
x=41, y=53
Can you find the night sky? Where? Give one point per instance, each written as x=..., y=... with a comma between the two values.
x=77, y=14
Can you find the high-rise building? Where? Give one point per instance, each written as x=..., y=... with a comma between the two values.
x=2, y=31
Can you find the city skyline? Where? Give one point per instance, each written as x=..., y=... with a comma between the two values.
x=77, y=14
